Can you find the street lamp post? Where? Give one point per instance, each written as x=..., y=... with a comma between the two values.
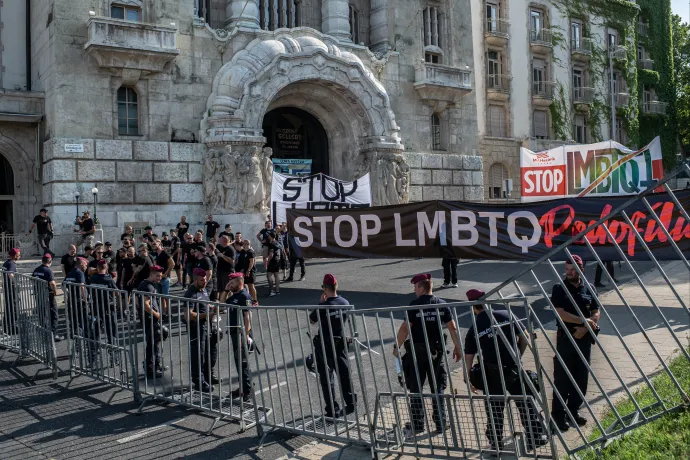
x=613, y=96
x=76, y=197
x=95, y=201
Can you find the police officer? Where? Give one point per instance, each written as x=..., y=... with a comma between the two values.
x=575, y=324
x=76, y=296
x=239, y=298
x=151, y=319
x=203, y=348
x=105, y=305
x=331, y=335
x=10, y=315
x=508, y=372
x=420, y=320
x=44, y=272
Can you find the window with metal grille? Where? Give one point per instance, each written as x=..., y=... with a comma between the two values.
x=277, y=14
x=580, y=129
x=436, y=132
x=127, y=111
x=541, y=124
x=432, y=30
x=497, y=173
x=354, y=24
x=497, y=121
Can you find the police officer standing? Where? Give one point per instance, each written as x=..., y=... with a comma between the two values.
x=487, y=339
x=44, y=272
x=427, y=319
x=203, y=348
x=11, y=297
x=151, y=322
x=105, y=307
x=331, y=324
x=575, y=324
x=76, y=296
x=239, y=298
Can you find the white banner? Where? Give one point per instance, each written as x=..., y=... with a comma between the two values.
x=320, y=192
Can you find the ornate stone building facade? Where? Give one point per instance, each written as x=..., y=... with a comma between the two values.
x=176, y=107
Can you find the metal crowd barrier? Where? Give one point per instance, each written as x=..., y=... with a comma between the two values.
x=26, y=319
x=102, y=331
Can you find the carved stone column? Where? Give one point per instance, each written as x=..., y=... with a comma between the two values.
x=388, y=170
x=379, y=26
x=335, y=20
x=243, y=13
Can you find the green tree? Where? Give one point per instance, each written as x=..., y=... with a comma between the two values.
x=681, y=58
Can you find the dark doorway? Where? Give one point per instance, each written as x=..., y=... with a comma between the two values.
x=294, y=134
x=6, y=195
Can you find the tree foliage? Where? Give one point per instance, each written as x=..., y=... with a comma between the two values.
x=681, y=58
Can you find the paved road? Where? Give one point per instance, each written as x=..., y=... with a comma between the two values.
x=85, y=419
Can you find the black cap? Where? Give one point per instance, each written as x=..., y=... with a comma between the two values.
x=108, y=243
x=88, y=248
x=43, y=210
x=272, y=233
x=148, y=227
x=165, y=233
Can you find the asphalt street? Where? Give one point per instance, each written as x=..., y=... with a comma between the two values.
x=85, y=418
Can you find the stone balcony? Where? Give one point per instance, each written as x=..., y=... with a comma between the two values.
x=581, y=49
x=543, y=92
x=496, y=31
x=655, y=108
x=132, y=49
x=21, y=106
x=541, y=40
x=498, y=87
x=440, y=84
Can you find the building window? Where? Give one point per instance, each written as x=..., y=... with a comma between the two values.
x=493, y=16
x=621, y=132
x=436, y=132
x=354, y=24
x=578, y=78
x=580, y=129
x=129, y=13
x=277, y=14
x=202, y=9
x=576, y=34
x=431, y=30
x=539, y=74
x=612, y=39
x=497, y=174
x=127, y=112
x=541, y=124
x=537, y=26
x=497, y=121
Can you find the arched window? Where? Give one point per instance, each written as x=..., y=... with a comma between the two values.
x=354, y=24
x=278, y=14
x=6, y=177
x=127, y=111
x=497, y=173
x=436, y=143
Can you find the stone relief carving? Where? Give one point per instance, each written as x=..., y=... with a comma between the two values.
x=390, y=176
x=239, y=180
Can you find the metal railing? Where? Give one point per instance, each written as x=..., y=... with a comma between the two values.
x=655, y=107
x=541, y=37
x=498, y=82
x=497, y=27
x=647, y=64
x=543, y=89
x=581, y=45
x=583, y=95
x=621, y=99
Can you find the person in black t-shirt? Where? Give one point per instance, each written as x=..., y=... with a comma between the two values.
x=142, y=265
x=176, y=254
x=44, y=272
x=201, y=261
x=213, y=282
x=10, y=293
x=87, y=228
x=275, y=255
x=429, y=319
x=75, y=296
x=227, y=232
x=163, y=259
x=44, y=230
x=126, y=277
x=295, y=254
x=182, y=227
x=69, y=260
x=151, y=318
x=246, y=264
x=240, y=300
x=226, y=264
x=129, y=233
x=211, y=229
x=499, y=366
x=262, y=236
x=332, y=334
x=576, y=327
x=109, y=256
x=148, y=237
x=203, y=343
x=187, y=260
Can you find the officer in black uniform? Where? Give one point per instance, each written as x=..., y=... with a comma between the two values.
x=529, y=415
x=331, y=324
x=75, y=296
x=151, y=322
x=105, y=305
x=203, y=349
x=426, y=319
x=44, y=272
x=570, y=314
x=10, y=323
x=239, y=298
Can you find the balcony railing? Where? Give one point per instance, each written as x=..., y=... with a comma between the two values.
x=655, y=107
x=541, y=37
x=498, y=82
x=642, y=29
x=618, y=52
x=497, y=27
x=647, y=64
x=583, y=95
x=581, y=45
x=621, y=99
x=441, y=75
x=543, y=89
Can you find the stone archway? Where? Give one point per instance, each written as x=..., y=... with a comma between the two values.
x=308, y=70
x=26, y=190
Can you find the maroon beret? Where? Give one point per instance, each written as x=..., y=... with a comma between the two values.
x=577, y=259
x=102, y=262
x=234, y=276
x=82, y=259
x=421, y=277
x=199, y=272
x=156, y=269
x=13, y=252
x=329, y=279
x=474, y=294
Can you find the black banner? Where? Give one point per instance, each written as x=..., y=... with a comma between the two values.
x=492, y=231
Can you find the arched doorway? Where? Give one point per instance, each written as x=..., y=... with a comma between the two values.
x=295, y=134
x=6, y=195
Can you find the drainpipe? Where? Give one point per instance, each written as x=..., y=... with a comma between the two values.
x=28, y=45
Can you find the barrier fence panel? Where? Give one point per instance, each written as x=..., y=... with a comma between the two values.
x=28, y=307
x=191, y=352
x=101, y=328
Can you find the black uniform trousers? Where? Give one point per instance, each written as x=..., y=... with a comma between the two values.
x=425, y=369
x=203, y=349
x=154, y=337
x=577, y=369
x=532, y=422
x=326, y=367
x=241, y=363
x=51, y=320
x=293, y=263
x=450, y=270
x=10, y=317
x=599, y=271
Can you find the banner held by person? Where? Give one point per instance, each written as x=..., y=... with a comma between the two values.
x=317, y=191
x=602, y=169
x=490, y=232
